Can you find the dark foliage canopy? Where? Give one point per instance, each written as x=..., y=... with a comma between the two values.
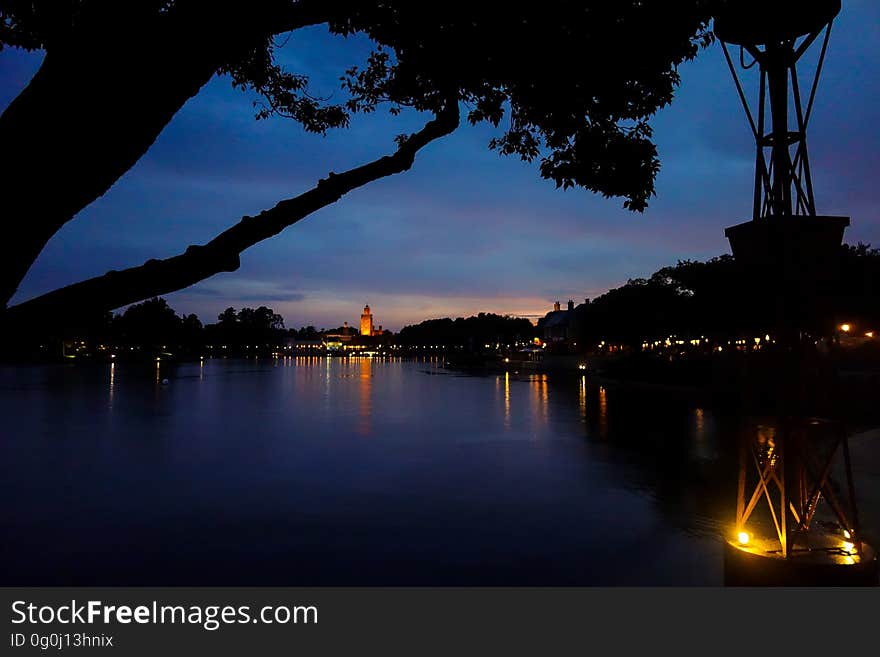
x=571, y=85
x=473, y=332
x=713, y=298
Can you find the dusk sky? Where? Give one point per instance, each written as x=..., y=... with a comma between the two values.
x=465, y=230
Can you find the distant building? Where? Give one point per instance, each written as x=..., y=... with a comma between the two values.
x=368, y=329
x=561, y=326
x=343, y=335
x=367, y=322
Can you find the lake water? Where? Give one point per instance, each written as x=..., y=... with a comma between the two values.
x=324, y=471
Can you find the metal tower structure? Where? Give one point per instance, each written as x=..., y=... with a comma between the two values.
x=788, y=254
x=775, y=36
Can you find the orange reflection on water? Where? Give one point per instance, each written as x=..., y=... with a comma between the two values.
x=507, y=400
x=582, y=397
x=539, y=399
x=603, y=413
x=365, y=393
x=545, y=398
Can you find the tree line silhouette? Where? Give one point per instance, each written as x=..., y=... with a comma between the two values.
x=473, y=333
x=715, y=298
x=150, y=328
x=689, y=299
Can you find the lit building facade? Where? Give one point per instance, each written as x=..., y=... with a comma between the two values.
x=367, y=322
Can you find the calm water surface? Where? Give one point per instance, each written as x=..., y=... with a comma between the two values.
x=332, y=471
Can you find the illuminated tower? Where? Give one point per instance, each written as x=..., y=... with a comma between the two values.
x=367, y=321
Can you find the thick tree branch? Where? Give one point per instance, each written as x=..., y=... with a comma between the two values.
x=155, y=277
x=100, y=100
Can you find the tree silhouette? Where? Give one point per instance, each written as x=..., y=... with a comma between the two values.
x=151, y=323
x=473, y=332
x=228, y=318
x=713, y=298
x=252, y=327
x=576, y=81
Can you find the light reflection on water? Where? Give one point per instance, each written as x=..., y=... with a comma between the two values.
x=112, y=384
x=257, y=472
x=365, y=391
x=507, y=400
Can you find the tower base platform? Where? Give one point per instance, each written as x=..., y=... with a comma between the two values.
x=823, y=562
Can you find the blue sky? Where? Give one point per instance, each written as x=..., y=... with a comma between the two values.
x=465, y=230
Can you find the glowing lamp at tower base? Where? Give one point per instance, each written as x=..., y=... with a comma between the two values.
x=825, y=561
